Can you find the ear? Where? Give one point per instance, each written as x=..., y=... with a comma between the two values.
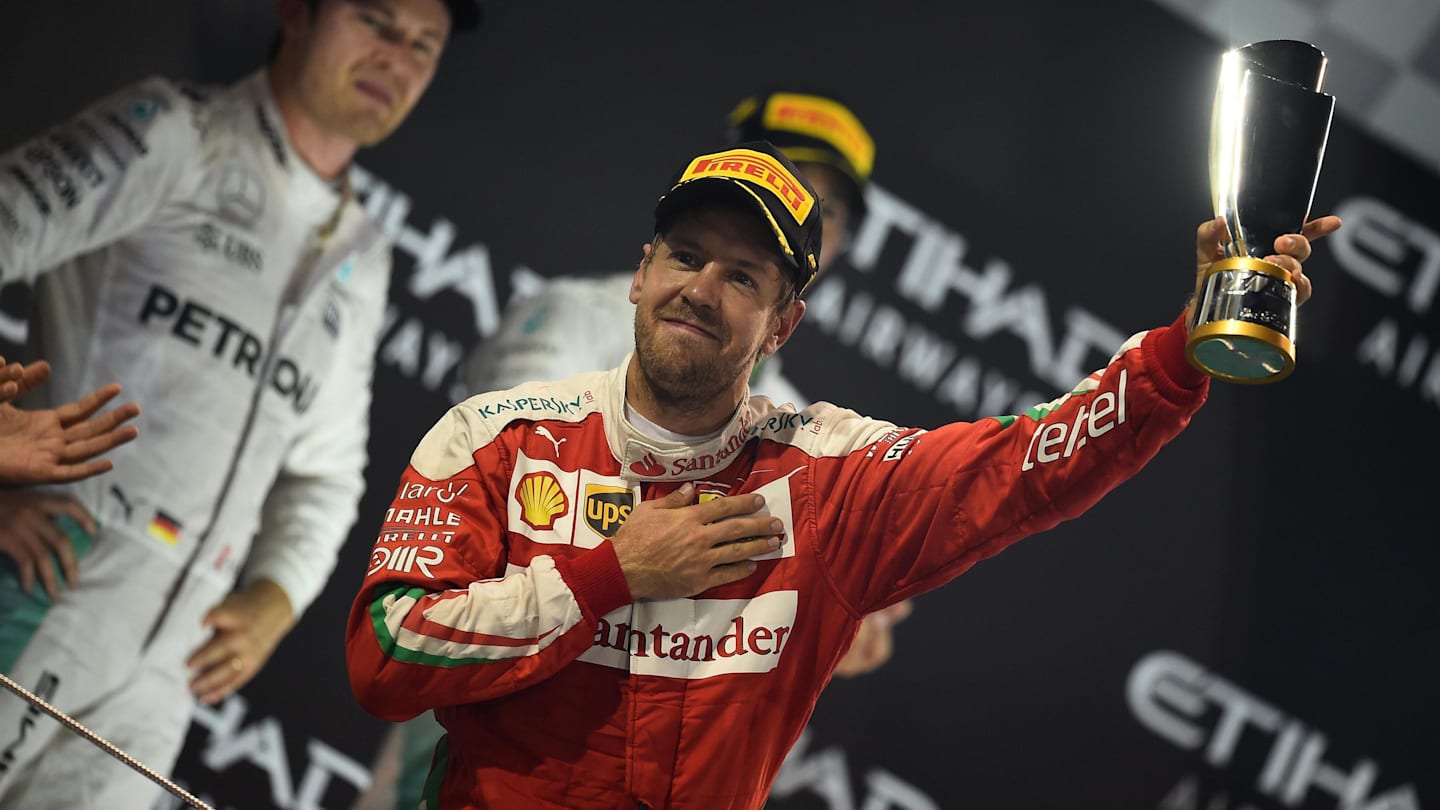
x=639, y=281
x=785, y=323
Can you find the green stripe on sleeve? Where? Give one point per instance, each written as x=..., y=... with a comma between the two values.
x=391, y=646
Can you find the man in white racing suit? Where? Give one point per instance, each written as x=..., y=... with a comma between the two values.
x=206, y=251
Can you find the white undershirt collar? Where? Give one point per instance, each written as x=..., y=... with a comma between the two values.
x=653, y=431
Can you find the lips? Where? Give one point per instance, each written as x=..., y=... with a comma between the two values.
x=376, y=91
x=690, y=322
x=694, y=328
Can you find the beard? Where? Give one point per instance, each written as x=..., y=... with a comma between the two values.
x=680, y=378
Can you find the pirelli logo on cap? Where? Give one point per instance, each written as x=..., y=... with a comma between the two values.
x=824, y=119
x=761, y=169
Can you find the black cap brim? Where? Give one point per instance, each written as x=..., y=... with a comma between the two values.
x=763, y=180
x=696, y=193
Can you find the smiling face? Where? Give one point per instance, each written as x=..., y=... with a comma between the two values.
x=357, y=67
x=712, y=297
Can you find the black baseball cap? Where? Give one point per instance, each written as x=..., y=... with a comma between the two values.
x=465, y=15
x=810, y=128
x=759, y=175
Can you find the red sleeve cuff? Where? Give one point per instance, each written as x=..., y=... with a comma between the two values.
x=1164, y=350
x=596, y=579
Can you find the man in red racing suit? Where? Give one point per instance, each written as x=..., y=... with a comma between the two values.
x=500, y=594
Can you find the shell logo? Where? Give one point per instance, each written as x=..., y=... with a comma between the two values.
x=542, y=501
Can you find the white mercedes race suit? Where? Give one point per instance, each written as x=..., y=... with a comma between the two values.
x=179, y=246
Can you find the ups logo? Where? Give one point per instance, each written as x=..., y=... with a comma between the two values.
x=607, y=507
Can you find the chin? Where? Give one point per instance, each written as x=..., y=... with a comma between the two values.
x=369, y=132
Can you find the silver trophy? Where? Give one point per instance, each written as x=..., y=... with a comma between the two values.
x=1267, y=140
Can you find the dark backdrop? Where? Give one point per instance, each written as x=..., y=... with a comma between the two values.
x=1249, y=623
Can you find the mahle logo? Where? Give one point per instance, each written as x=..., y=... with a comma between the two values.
x=542, y=500
x=607, y=507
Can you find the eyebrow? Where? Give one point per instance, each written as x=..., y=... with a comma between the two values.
x=689, y=244
x=386, y=9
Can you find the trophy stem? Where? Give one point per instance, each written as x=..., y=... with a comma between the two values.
x=1243, y=326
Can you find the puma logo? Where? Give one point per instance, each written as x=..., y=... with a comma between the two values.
x=124, y=502
x=544, y=431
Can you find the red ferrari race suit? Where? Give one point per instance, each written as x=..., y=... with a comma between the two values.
x=494, y=597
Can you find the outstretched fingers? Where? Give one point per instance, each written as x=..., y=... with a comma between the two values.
x=104, y=429
x=10, y=374
x=32, y=375
x=86, y=406
x=1320, y=226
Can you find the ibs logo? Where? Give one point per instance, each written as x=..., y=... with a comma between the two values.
x=541, y=500
x=607, y=507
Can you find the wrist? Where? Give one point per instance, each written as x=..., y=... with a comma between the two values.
x=269, y=596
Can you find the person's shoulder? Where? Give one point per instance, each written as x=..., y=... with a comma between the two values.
x=477, y=422
x=154, y=106
x=157, y=96
x=571, y=399
x=820, y=429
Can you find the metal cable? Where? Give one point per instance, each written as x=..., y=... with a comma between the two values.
x=73, y=725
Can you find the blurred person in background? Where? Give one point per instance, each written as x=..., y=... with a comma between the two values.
x=205, y=250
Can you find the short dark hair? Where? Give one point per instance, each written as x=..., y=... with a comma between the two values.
x=279, y=37
x=463, y=17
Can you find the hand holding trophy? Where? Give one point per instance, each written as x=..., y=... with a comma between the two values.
x=1267, y=140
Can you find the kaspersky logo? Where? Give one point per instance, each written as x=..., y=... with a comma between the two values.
x=761, y=169
x=607, y=507
x=542, y=500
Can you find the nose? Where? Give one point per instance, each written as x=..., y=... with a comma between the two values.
x=703, y=288
x=393, y=51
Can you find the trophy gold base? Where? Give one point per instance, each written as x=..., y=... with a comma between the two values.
x=1243, y=325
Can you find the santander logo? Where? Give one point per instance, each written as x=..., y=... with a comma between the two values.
x=647, y=466
x=696, y=638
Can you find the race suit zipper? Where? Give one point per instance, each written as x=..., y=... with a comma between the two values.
x=289, y=314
